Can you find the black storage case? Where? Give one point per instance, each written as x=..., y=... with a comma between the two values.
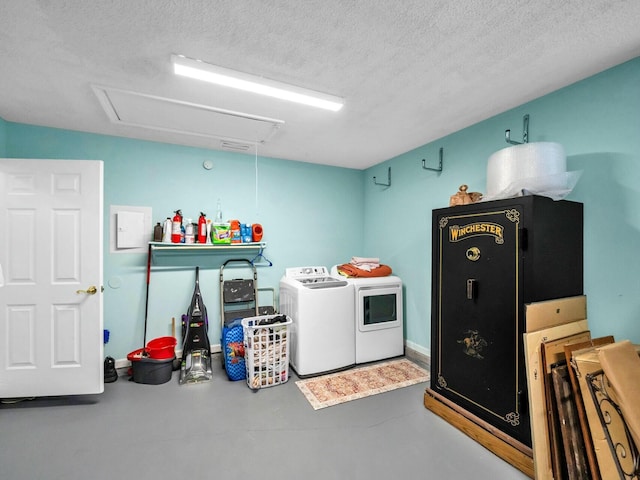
x=489, y=260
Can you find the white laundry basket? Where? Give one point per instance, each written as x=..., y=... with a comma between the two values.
x=266, y=350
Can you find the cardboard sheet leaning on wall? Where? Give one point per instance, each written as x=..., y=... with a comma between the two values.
x=547, y=321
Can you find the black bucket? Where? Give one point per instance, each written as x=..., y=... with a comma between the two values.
x=150, y=371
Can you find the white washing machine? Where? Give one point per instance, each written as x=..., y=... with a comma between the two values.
x=321, y=308
x=378, y=316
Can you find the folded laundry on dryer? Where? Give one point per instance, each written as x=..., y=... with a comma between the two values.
x=349, y=270
x=365, y=263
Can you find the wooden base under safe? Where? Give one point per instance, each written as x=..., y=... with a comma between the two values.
x=511, y=451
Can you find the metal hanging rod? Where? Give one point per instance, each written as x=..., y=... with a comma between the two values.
x=439, y=169
x=525, y=132
x=388, y=184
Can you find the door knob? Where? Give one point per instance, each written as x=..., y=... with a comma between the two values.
x=89, y=291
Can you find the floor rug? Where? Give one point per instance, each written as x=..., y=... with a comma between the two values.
x=336, y=388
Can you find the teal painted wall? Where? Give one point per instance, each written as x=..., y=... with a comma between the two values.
x=3, y=138
x=598, y=123
x=597, y=120
x=311, y=214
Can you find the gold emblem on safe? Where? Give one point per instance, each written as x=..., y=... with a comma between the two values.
x=458, y=233
x=473, y=344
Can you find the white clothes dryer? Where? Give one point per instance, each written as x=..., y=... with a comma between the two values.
x=321, y=307
x=378, y=316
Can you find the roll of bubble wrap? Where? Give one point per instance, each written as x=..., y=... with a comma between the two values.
x=545, y=163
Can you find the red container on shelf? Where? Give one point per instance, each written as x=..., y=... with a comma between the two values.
x=257, y=232
x=235, y=231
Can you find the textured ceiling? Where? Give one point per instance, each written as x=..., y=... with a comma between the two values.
x=410, y=71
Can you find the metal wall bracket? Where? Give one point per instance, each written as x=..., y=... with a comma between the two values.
x=525, y=132
x=439, y=169
x=388, y=184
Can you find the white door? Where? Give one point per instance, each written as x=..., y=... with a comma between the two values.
x=51, y=339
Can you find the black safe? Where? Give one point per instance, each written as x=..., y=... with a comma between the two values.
x=489, y=260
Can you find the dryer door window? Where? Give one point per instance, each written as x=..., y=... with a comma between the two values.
x=379, y=308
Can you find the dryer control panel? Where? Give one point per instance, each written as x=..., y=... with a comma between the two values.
x=306, y=272
x=314, y=277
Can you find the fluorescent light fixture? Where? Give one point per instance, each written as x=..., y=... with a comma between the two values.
x=251, y=83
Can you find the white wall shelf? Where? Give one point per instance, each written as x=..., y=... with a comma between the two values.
x=160, y=250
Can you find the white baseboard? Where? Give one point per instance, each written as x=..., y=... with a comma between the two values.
x=417, y=348
x=413, y=350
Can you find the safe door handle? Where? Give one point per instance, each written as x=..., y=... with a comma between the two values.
x=523, y=403
x=92, y=290
x=472, y=288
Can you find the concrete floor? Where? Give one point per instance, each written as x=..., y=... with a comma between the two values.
x=222, y=429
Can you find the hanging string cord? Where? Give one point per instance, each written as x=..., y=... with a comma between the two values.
x=256, y=174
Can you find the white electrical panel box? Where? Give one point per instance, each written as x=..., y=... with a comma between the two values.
x=130, y=229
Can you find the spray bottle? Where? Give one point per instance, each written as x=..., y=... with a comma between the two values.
x=219, y=212
x=189, y=235
x=209, y=225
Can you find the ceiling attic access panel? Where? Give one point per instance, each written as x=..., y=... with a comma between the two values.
x=165, y=114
